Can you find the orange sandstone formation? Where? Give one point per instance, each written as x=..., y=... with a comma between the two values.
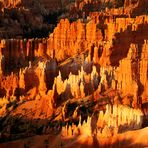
x=88, y=78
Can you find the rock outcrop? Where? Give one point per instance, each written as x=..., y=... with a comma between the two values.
x=115, y=120
x=92, y=69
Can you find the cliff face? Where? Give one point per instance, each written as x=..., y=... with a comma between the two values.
x=99, y=40
x=73, y=38
x=69, y=39
x=95, y=66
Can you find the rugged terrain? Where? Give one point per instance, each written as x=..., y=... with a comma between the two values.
x=74, y=73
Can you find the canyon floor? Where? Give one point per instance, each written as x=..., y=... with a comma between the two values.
x=73, y=73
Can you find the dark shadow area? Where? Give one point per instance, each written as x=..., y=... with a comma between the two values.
x=31, y=80
x=51, y=72
x=31, y=22
x=144, y=107
x=123, y=40
x=73, y=65
x=2, y=92
x=15, y=57
x=32, y=32
x=142, y=9
x=52, y=17
x=13, y=128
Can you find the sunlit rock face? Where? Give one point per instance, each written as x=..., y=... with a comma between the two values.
x=10, y=3
x=116, y=119
x=87, y=80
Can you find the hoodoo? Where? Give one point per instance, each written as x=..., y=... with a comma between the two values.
x=73, y=73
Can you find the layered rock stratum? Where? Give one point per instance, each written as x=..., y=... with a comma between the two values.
x=79, y=78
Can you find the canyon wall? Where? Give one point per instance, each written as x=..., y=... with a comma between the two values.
x=95, y=65
x=100, y=45
x=73, y=38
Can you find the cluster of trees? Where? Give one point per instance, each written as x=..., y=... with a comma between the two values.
x=112, y=3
